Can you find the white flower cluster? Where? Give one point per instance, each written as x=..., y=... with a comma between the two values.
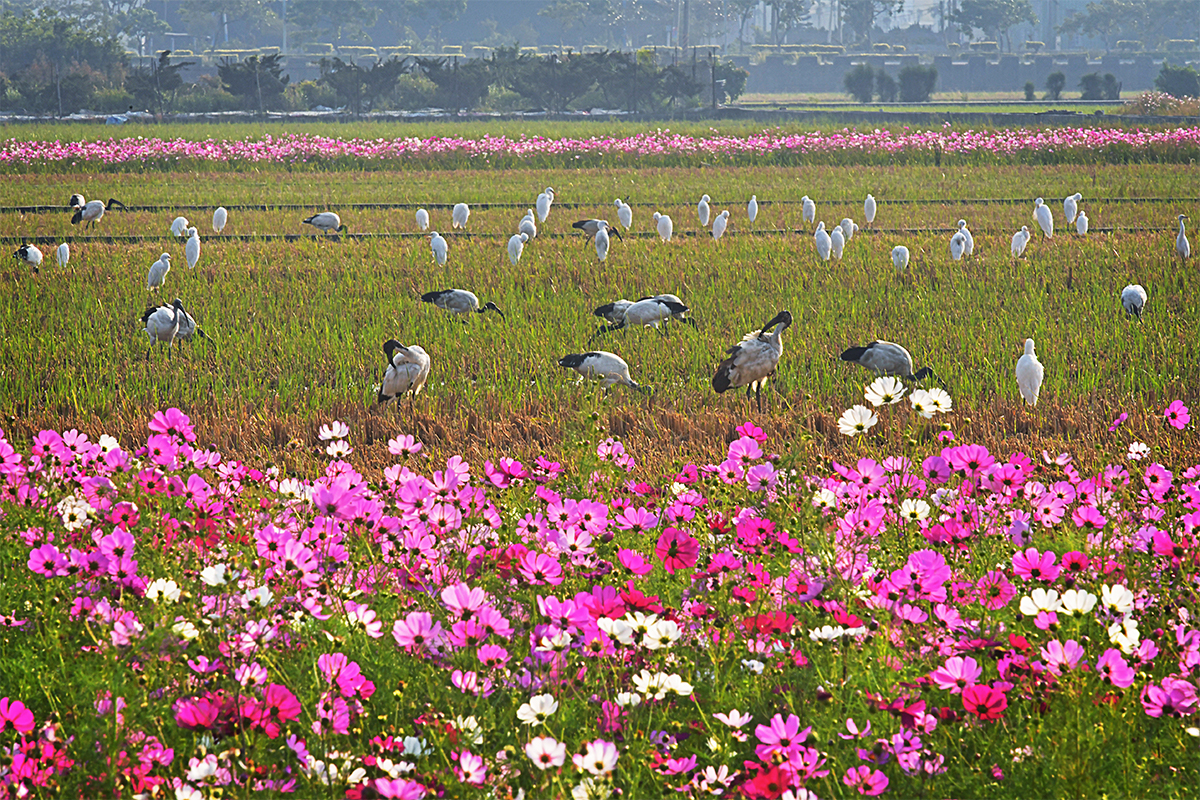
x=74, y=511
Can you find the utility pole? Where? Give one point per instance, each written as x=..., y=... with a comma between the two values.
x=283, y=18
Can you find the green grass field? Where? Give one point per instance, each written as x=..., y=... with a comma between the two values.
x=299, y=322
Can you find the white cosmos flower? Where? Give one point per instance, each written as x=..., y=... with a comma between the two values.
x=163, y=588
x=539, y=709
x=260, y=595
x=641, y=623
x=915, y=510
x=940, y=400
x=826, y=633
x=678, y=685
x=335, y=430
x=185, y=629
x=734, y=719
x=214, y=575
x=661, y=634
x=885, y=390
x=1125, y=635
x=1078, y=602
x=617, y=629
x=854, y=421
x=290, y=487
x=753, y=665
x=824, y=498
x=1040, y=600
x=922, y=403
x=74, y=511
x=108, y=443
x=1138, y=451
x=629, y=699
x=1117, y=597
x=339, y=449
x=469, y=729
x=651, y=684
x=414, y=746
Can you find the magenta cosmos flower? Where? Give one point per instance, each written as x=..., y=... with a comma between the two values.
x=984, y=702
x=957, y=674
x=867, y=781
x=677, y=550
x=14, y=713
x=1177, y=415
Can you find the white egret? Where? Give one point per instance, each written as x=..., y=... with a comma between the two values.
x=849, y=228
x=1029, y=374
x=823, y=242
x=528, y=225
x=220, y=217
x=1045, y=220
x=1133, y=299
x=970, y=239
x=753, y=361
x=162, y=323
x=326, y=222
x=93, y=211
x=438, y=244
x=179, y=227
x=460, y=215
x=837, y=242
x=752, y=207
x=900, y=257
x=602, y=241
x=664, y=225
x=720, y=223
x=544, y=201
x=422, y=219
x=608, y=367
x=703, y=210
x=192, y=249
x=459, y=302
x=516, y=244
x=886, y=358
x=958, y=245
x=624, y=213
x=158, y=272
x=407, y=371
x=30, y=255
x=1019, y=240
x=810, y=209
x=1071, y=207
x=869, y=209
x=64, y=254
x=1081, y=223
x=1182, y=247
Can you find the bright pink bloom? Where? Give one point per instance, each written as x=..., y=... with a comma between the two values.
x=1034, y=566
x=866, y=780
x=677, y=550
x=1061, y=656
x=635, y=562
x=957, y=674
x=1112, y=668
x=1177, y=415
x=994, y=590
x=48, y=561
x=984, y=702
x=417, y=632
x=14, y=713
x=539, y=568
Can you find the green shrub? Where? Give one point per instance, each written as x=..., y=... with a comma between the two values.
x=1030, y=91
x=860, y=83
x=885, y=87
x=1055, y=82
x=916, y=83
x=1178, y=81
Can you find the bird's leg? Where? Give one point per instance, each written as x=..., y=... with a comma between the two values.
x=758, y=396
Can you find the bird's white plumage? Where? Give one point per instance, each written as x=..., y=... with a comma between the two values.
x=703, y=210
x=528, y=225
x=837, y=242
x=882, y=358
x=437, y=243
x=91, y=212
x=544, y=201
x=614, y=312
x=459, y=302
x=663, y=223
x=460, y=215
x=158, y=272
x=966, y=232
x=1081, y=224
x=1071, y=207
x=30, y=254
x=407, y=371
x=823, y=242
x=1133, y=299
x=516, y=244
x=326, y=222
x=720, y=224
x=624, y=213
x=869, y=209
x=77, y=201
x=162, y=324
x=1019, y=240
x=1045, y=220
x=753, y=361
x=602, y=241
x=64, y=254
x=191, y=250
x=900, y=257
x=1030, y=374
x=810, y=208
x=220, y=217
x=422, y=219
x=179, y=226
x=752, y=207
x=648, y=312
x=608, y=368
x=849, y=228
x=1183, y=248
x=958, y=246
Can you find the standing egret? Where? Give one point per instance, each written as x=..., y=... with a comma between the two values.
x=528, y=225
x=1133, y=298
x=192, y=248
x=93, y=211
x=837, y=241
x=179, y=227
x=752, y=207
x=1071, y=207
x=1182, y=247
x=608, y=367
x=849, y=228
x=158, y=272
x=886, y=358
x=958, y=245
x=810, y=209
x=1081, y=223
x=1045, y=220
x=869, y=209
x=544, y=201
x=220, y=217
x=720, y=224
x=664, y=225
x=592, y=227
x=162, y=323
x=900, y=257
x=753, y=361
x=326, y=222
x=1019, y=240
x=459, y=216
x=823, y=242
x=624, y=213
x=1029, y=374
x=970, y=240
x=703, y=210
x=602, y=241
x=30, y=255
x=647, y=312
x=64, y=254
x=422, y=219
x=407, y=371
x=459, y=302
x=438, y=244
x=516, y=244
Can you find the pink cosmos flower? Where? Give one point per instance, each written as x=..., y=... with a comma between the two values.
x=417, y=632
x=546, y=752
x=279, y=706
x=866, y=780
x=635, y=562
x=752, y=431
x=471, y=769
x=1177, y=415
x=539, y=568
x=1061, y=657
x=1088, y=517
x=779, y=736
x=636, y=520
x=463, y=600
x=1174, y=698
x=957, y=674
x=984, y=702
x=1113, y=669
x=1117, y=422
x=48, y=561
x=761, y=477
x=405, y=445
x=197, y=714
x=173, y=422
x=399, y=789
x=745, y=451
x=994, y=590
x=14, y=713
x=599, y=757
x=1034, y=566
x=677, y=550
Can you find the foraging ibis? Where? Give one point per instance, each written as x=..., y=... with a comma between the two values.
x=516, y=244
x=422, y=219
x=592, y=227
x=179, y=227
x=1029, y=374
x=720, y=224
x=1019, y=240
x=192, y=249
x=869, y=209
x=608, y=367
x=76, y=201
x=460, y=215
x=810, y=209
x=528, y=225
x=544, y=201
x=664, y=225
x=326, y=222
x=1182, y=247
x=157, y=320
x=64, y=254
x=407, y=371
x=647, y=312
x=624, y=213
x=958, y=245
x=437, y=243
x=459, y=302
x=752, y=361
x=703, y=210
x=30, y=255
x=1045, y=220
x=162, y=323
x=823, y=242
x=886, y=358
x=837, y=242
x=752, y=207
x=220, y=217
x=970, y=239
x=158, y=272
x=1071, y=207
x=613, y=312
x=849, y=228
x=1081, y=224
x=93, y=211
x=1133, y=299
x=900, y=257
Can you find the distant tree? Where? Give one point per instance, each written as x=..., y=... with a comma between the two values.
x=568, y=14
x=788, y=16
x=1030, y=91
x=260, y=82
x=1178, y=81
x=1094, y=87
x=132, y=18
x=1055, y=82
x=152, y=87
x=360, y=88
x=885, y=87
x=210, y=17
x=731, y=80
x=401, y=16
x=460, y=83
x=860, y=15
x=993, y=17
x=322, y=21
x=1149, y=21
x=916, y=83
x=860, y=83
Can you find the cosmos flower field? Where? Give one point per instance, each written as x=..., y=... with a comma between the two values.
x=230, y=574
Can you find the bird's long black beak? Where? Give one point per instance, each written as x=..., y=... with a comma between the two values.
x=783, y=316
x=616, y=233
